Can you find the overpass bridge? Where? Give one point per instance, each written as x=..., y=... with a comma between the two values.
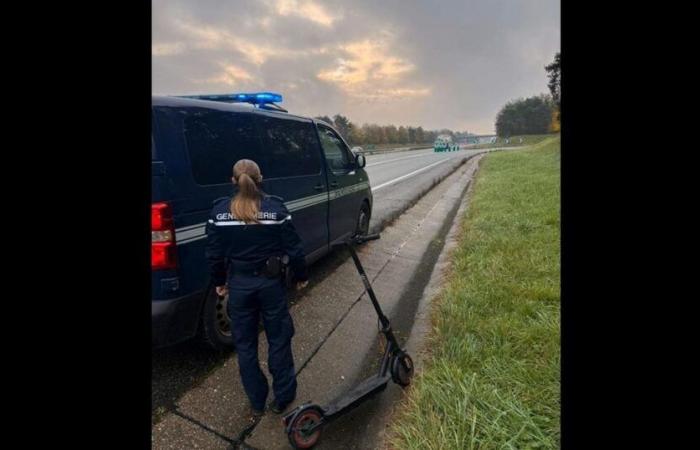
x=478, y=139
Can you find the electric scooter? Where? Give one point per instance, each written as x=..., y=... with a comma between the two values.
x=303, y=424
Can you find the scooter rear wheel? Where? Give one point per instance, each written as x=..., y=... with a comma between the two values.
x=299, y=435
x=402, y=369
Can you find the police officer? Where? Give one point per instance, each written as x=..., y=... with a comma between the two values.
x=249, y=236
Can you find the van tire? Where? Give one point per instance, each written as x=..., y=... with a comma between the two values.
x=363, y=217
x=214, y=323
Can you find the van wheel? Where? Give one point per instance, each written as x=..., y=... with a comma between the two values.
x=216, y=325
x=362, y=227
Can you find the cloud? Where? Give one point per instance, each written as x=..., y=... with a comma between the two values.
x=412, y=62
x=230, y=76
x=306, y=9
x=167, y=48
x=369, y=70
x=206, y=37
x=392, y=94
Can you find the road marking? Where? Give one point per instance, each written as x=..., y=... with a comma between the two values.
x=395, y=180
x=400, y=159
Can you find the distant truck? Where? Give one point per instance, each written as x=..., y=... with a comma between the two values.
x=443, y=143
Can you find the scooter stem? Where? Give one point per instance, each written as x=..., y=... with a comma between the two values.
x=386, y=325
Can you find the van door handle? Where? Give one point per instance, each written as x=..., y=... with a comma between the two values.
x=334, y=184
x=319, y=187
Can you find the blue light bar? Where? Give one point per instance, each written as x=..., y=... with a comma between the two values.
x=255, y=98
x=259, y=97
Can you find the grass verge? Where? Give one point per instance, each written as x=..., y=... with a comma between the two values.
x=491, y=379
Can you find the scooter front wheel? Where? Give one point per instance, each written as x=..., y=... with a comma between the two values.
x=402, y=369
x=303, y=432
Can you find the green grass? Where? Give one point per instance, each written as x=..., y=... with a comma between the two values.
x=491, y=379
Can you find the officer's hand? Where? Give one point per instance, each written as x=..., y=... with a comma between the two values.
x=221, y=291
x=301, y=285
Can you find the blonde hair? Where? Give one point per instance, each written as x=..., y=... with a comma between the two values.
x=246, y=204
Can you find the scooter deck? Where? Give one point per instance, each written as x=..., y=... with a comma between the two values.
x=356, y=395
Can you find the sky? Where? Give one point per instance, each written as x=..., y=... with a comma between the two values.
x=436, y=64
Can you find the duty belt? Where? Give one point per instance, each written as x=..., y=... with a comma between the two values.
x=272, y=267
x=240, y=269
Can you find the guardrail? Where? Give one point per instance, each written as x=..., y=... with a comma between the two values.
x=372, y=151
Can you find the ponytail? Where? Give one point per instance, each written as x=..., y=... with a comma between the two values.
x=246, y=204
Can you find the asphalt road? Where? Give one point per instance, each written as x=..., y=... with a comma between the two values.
x=397, y=180
x=389, y=170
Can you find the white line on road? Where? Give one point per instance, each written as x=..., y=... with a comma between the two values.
x=375, y=189
x=400, y=159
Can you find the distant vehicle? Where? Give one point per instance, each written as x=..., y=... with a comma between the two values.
x=443, y=143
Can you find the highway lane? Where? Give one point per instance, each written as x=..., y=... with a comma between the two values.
x=393, y=170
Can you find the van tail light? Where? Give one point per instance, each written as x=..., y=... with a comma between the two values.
x=163, y=248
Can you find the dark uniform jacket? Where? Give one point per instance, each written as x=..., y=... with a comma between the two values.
x=235, y=246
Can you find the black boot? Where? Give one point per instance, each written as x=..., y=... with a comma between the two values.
x=278, y=408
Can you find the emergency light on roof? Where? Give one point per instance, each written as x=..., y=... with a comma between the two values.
x=259, y=99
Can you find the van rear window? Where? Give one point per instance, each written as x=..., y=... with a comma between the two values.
x=216, y=140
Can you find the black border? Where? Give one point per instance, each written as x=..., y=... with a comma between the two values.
x=85, y=232
x=93, y=194
x=607, y=268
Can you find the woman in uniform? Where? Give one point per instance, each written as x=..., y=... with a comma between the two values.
x=249, y=238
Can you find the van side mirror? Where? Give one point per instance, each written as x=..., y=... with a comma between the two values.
x=360, y=161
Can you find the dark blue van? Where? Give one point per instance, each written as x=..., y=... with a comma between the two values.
x=194, y=145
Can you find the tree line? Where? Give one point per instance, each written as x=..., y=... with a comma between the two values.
x=373, y=134
x=534, y=115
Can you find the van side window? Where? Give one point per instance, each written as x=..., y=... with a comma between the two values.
x=336, y=152
x=290, y=147
x=216, y=140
